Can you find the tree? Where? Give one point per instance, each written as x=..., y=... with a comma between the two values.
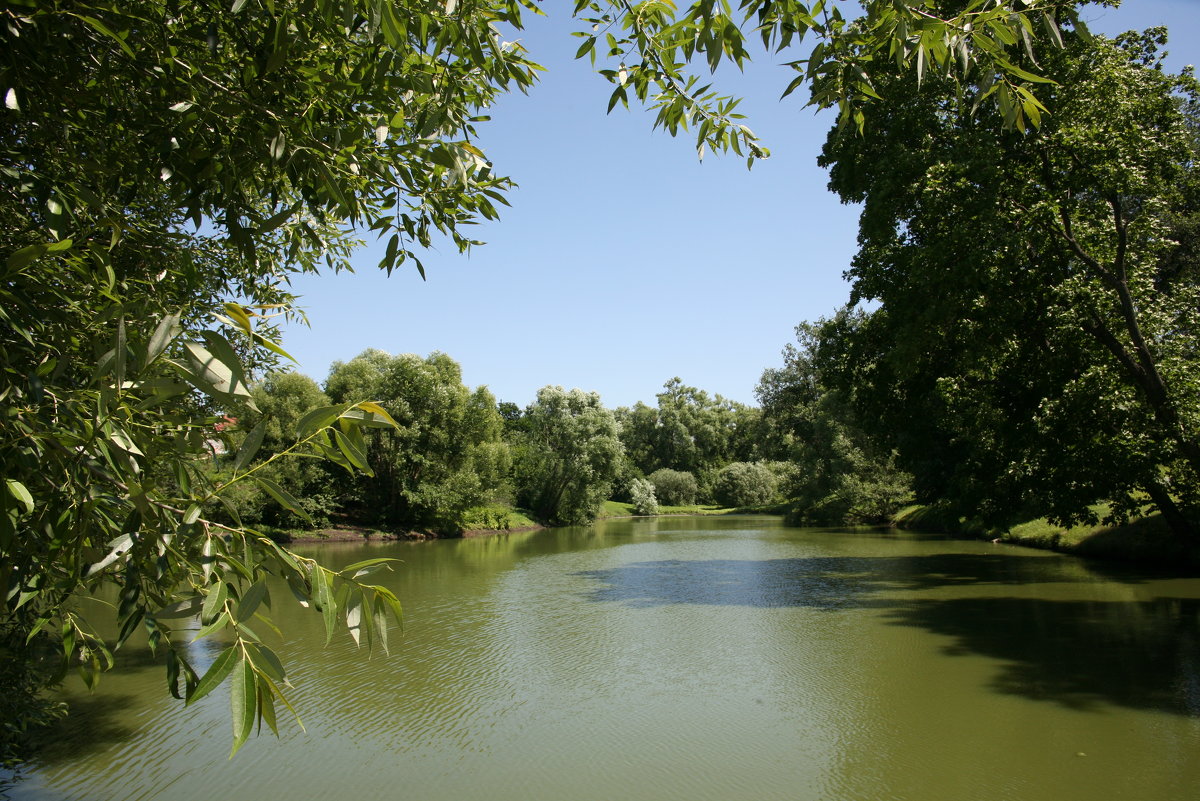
x=977, y=44
x=567, y=461
x=744, y=484
x=674, y=487
x=282, y=399
x=1036, y=345
x=841, y=474
x=445, y=455
x=689, y=430
x=160, y=160
x=644, y=502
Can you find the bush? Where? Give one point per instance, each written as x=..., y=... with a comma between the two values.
x=644, y=502
x=744, y=484
x=674, y=487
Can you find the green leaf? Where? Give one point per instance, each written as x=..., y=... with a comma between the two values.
x=266, y=704
x=104, y=29
x=214, y=602
x=221, y=622
x=285, y=498
x=192, y=514
x=20, y=259
x=251, y=600
x=215, y=674
x=354, y=616
x=212, y=375
x=168, y=328
x=188, y=607
x=318, y=418
x=119, y=547
x=266, y=661
x=250, y=446
x=19, y=491
x=357, y=457
x=274, y=347
x=366, y=567
x=323, y=598
x=243, y=703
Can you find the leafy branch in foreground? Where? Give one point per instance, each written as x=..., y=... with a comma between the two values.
x=159, y=161
x=168, y=561
x=986, y=46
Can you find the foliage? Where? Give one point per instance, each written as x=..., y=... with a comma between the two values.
x=1075, y=259
x=566, y=463
x=977, y=44
x=840, y=474
x=644, y=502
x=158, y=159
x=674, y=487
x=744, y=484
x=24, y=708
x=281, y=400
x=445, y=455
x=688, y=431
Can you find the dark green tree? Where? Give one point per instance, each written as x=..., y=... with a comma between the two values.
x=445, y=456
x=1035, y=350
x=840, y=473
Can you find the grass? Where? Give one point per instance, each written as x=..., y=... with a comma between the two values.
x=1145, y=539
x=620, y=509
x=497, y=517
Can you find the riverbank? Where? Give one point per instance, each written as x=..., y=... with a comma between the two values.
x=1144, y=540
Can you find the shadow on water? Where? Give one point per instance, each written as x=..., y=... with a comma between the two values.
x=1078, y=653
x=94, y=723
x=1081, y=654
x=834, y=582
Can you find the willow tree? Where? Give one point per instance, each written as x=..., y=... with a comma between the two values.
x=165, y=167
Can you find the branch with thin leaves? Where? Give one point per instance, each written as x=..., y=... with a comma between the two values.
x=979, y=48
x=169, y=561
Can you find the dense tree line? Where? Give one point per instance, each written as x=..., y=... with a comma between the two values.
x=455, y=450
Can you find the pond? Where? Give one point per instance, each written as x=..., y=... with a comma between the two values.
x=722, y=659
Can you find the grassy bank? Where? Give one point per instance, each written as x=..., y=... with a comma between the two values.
x=619, y=509
x=1146, y=539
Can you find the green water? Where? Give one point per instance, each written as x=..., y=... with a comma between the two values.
x=722, y=659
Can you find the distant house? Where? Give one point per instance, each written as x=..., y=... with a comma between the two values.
x=217, y=445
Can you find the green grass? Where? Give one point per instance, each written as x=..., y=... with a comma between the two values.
x=620, y=509
x=497, y=517
x=1145, y=539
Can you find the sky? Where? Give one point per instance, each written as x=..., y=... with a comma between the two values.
x=624, y=261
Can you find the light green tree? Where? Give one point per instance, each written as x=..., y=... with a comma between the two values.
x=569, y=456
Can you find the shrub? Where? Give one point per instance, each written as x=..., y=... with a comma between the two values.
x=744, y=484
x=674, y=487
x=644, y=502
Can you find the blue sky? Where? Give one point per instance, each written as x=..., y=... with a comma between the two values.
x=623, y=261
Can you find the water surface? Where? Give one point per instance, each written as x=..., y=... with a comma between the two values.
x=722, y=659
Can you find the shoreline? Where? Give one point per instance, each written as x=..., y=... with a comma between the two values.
x=367, y=534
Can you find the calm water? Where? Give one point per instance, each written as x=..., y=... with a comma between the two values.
x=728, y=659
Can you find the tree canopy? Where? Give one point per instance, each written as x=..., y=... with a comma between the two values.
x=1035, y=346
